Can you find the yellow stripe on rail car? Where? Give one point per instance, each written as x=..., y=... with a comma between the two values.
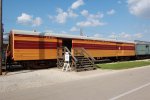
x=110, y=53
x=34, y=54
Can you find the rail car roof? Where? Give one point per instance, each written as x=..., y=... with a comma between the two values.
x=65, y=36
x=141, y=42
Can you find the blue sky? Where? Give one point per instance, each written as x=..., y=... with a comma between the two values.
x=116, y=19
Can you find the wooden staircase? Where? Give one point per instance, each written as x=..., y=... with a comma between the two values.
x=80, y=60
x=61, y=59
x=84, y=64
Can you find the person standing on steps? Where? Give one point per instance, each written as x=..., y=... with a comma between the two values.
x=66, y=66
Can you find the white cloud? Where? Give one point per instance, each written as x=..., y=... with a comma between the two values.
x=26, y=19
x=139, y=8
x=63, y=32
x=91, y=19
x=125, y=36
x=74, y=29
x=63, y=16
x=112, y=35
x=77, y=4
x=98, y=35
x=88, y=23
x=86, y=14
x=111, y=12
x=37, y=21
x=138, y=35
x=71, y=14
x=5, y=36
x=119, y=36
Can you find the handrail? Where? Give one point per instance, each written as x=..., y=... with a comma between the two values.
x=61, y=55
x=88, y=54
x=70, y=54
x=65, y=48
x=84, y=51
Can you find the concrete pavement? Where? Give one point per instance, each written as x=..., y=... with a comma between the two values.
x=132, y=84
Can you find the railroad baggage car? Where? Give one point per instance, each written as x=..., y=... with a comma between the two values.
x=105, y=48
x=30, y=48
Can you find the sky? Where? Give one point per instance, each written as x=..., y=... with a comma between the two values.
x=114, y=19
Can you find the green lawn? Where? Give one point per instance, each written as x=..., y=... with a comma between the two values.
x=123, y=65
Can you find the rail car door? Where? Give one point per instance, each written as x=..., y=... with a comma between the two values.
x=147, y=49
x=67, y=43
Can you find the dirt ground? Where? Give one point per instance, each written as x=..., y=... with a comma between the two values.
x=24, y=79
x=36, y=78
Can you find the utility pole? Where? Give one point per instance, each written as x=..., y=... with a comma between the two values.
x=1, y=37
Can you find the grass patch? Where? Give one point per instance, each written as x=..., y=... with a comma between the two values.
x=123, y=65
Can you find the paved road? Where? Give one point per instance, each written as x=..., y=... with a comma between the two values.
x=133, y=84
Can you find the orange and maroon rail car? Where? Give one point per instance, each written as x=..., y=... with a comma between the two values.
x=105, y=49
x=29, y=46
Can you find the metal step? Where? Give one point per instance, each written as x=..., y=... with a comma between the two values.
x=84, y=64
x=88, y=66
x=86, y=61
